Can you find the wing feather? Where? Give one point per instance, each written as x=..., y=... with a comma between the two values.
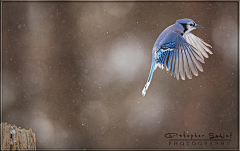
x=196, y=54
x=202, y=43
x=190, y=41
x=198, y=43
x=200, y=39
x=176, y=65
x=182, y=54
x=186, y=67
x=169, y=61
x=181, y=69
x=193, y=68
x=195, y=61
x=173, y=66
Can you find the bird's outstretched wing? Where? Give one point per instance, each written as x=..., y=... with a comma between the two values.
x=182, y=54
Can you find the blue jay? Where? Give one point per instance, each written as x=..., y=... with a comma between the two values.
x=179, y=50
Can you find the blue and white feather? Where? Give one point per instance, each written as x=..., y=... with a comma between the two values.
x=179, y=50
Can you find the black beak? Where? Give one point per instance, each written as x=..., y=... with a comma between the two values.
x=198, y=26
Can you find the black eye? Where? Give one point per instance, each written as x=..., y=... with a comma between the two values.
x=191, y=24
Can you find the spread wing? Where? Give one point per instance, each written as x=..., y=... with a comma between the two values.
x=181, y=54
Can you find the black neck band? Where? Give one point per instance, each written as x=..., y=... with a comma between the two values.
x=185, y=27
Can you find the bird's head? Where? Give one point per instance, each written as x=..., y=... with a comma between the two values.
x=188, y=24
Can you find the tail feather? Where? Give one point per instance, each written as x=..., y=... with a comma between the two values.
x=153, y=67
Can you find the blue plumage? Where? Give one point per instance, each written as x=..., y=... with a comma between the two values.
x=168, y=45
x=178, y=49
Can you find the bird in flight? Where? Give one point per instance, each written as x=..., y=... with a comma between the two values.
x=179, y=50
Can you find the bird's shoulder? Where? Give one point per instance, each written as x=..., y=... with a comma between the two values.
x=169, y=39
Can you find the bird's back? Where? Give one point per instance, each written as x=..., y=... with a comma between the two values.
x=170, y=29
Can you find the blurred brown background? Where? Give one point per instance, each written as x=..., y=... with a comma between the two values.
x=74, y=72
